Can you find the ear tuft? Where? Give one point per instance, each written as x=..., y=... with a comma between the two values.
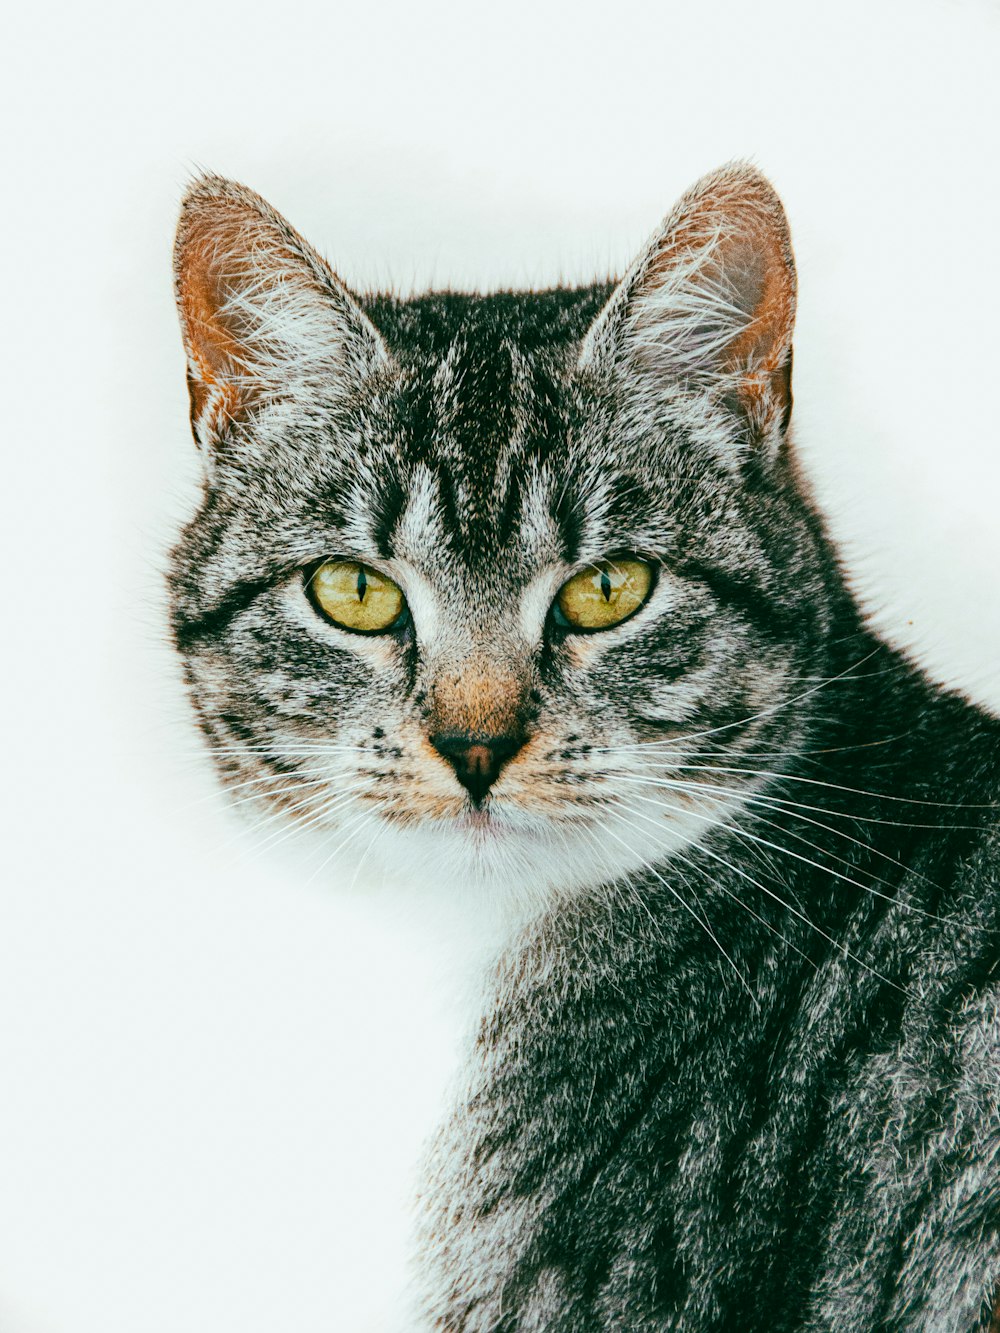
x=260, y=311
x=710, y=303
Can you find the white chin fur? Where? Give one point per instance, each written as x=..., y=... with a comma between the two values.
x=513, y=866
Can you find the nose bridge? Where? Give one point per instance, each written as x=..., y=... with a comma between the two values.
x=480, y=715
x=482, y=693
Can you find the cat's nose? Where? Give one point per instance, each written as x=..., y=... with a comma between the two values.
x=477, y=760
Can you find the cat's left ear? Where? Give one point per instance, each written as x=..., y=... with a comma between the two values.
x=710, y=303
x=262, y=315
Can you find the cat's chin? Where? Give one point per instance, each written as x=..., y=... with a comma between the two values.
x=508, y=869
x=485, y=824
x=515, y=863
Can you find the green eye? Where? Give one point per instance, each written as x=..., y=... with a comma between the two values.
x=603, y=595
x=356, y=597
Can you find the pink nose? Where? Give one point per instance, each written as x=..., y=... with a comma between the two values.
x=477, y=760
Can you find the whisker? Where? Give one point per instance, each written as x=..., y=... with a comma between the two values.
x=351, y=824
x=224, y=791
x=766, y=712
x=795, y=912
x=278, y=749
x=847, y=879
x=296, y=827
x=293, y=787
x=299, y=824
x=781, y=805
x=796, y=753
x=688, y=908
x=287, y=813
x=698, y=870
x=853, y=791
x=364, y=857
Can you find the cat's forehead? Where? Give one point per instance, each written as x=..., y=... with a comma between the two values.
x=493, y=410
x=479, y=458
x=489, y=453
x=503, y=482
x=485, y=383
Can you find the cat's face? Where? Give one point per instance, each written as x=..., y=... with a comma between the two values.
x=512, y=589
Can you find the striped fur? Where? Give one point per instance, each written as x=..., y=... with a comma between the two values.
x=739, y=1062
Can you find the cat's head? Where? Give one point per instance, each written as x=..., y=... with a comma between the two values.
x=511, y=588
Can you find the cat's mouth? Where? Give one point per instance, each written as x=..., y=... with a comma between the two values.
x=481, y=821
x=497, y=821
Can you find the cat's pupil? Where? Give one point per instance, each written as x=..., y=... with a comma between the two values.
x=605, y=586
x=362, y=585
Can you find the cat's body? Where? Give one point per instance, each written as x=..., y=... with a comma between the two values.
x=740, y=1061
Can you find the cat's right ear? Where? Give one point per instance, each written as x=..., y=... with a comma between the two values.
x=710, y=304
x=262, y=315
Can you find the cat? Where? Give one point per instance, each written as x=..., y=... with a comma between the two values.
x=526, y=592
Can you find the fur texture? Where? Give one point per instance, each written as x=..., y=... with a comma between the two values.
x=740, y=1061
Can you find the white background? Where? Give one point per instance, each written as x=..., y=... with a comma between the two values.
x=216, y=1065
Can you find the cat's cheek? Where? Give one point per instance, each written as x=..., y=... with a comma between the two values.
x=584, y=654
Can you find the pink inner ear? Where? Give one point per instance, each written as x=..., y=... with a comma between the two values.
x=737, y=222
x=202, y=288
x=217, y=395
x=760, y=268
x=763, y=351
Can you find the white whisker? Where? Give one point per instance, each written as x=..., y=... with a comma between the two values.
x=777, y=805
x=688, y=908
x=707, y=851
x=835, y=786
x=754, y=717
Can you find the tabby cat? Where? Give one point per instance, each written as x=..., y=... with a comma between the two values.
x=525, y=591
